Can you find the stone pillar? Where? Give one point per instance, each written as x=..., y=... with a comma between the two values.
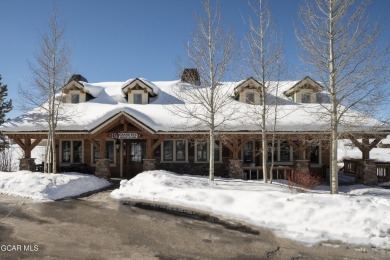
x=102, y=169
x=148, y=164
x=366, y=172
x=235, y=170
x=27, y=164
x=301, y=166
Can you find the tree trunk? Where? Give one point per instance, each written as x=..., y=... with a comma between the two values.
x=334, y=189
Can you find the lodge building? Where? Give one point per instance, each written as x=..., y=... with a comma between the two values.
x=123, y=128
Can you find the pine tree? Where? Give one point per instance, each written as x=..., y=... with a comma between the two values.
x=5, y=106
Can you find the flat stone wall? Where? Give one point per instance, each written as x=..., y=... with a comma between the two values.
x=366, y=172
x=27, y=164
x=102, y=169
x=235, y=170
x=148, y=164
x=302, y=166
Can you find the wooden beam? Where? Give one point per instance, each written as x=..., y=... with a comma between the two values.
x=20, y=143
x=35, y=143
x=95, y=144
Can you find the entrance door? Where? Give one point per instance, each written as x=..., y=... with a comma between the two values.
x=135, y=153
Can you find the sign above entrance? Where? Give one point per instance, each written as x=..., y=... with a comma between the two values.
x=124, y=135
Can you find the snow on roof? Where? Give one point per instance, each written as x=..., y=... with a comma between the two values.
x=159, y=115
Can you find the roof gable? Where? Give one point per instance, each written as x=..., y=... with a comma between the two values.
x=305, y=83
x=140, y=84
x=249, y=83
x=73, y=85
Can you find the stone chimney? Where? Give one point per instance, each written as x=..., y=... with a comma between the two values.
x=77, y=77
x=191, y=75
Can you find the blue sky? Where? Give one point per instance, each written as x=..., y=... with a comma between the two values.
x=114, y=40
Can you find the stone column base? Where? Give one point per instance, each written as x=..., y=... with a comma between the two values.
x=366, y=172
x=302, y=166
x=102, y=169
x=27, y=164
x=148, y=164
x=235, y=170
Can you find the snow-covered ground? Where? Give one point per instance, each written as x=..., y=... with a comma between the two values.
x=358, y=215
x=40, y=186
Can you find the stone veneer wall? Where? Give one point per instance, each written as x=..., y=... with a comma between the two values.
x=366, y=172
x=27, y=164
x=103, y=168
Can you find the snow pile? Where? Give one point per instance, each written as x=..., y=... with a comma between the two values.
x=360, y=216
x=43, y=186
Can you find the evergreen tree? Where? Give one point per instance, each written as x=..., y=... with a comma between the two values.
x=5, y=106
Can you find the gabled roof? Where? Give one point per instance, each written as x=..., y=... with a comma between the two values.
x=305, y=81
x=149, y=86
x=248, y=83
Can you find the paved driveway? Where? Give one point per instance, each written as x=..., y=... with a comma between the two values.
x=97, y=227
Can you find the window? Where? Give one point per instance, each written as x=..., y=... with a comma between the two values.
x=250, y=98
x=248, y=152
x=110, y=151
x=137, y=98
x=202, y=151
x=71, y=151
x=168, y=150
x=66, y=151
x=136, y=152
x=282, y=152
x=174, y=150
x=285, y=151
x=75, y=98
x=180, y=150
x=77, y=152
x=315, y=154
x=272, y=153
x=306, y=98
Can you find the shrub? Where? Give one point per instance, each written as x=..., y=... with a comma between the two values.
x=302, y=181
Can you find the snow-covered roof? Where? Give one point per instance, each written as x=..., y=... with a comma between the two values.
x=159, y=115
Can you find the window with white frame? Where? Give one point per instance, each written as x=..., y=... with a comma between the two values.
x=174, y=151
x=71, y=151
x=202, y=151
x=282, y=151
x=110, y=151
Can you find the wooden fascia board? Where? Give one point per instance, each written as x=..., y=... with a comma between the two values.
x=106, y=125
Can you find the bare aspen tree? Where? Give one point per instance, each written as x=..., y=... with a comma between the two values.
x=265, y=58
x=342, y=47
x=206, y=101
x=49, y=72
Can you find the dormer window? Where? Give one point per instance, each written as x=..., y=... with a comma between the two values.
x=76, y=90
x=139, y=91
x=248, y=91
x=305, y=91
